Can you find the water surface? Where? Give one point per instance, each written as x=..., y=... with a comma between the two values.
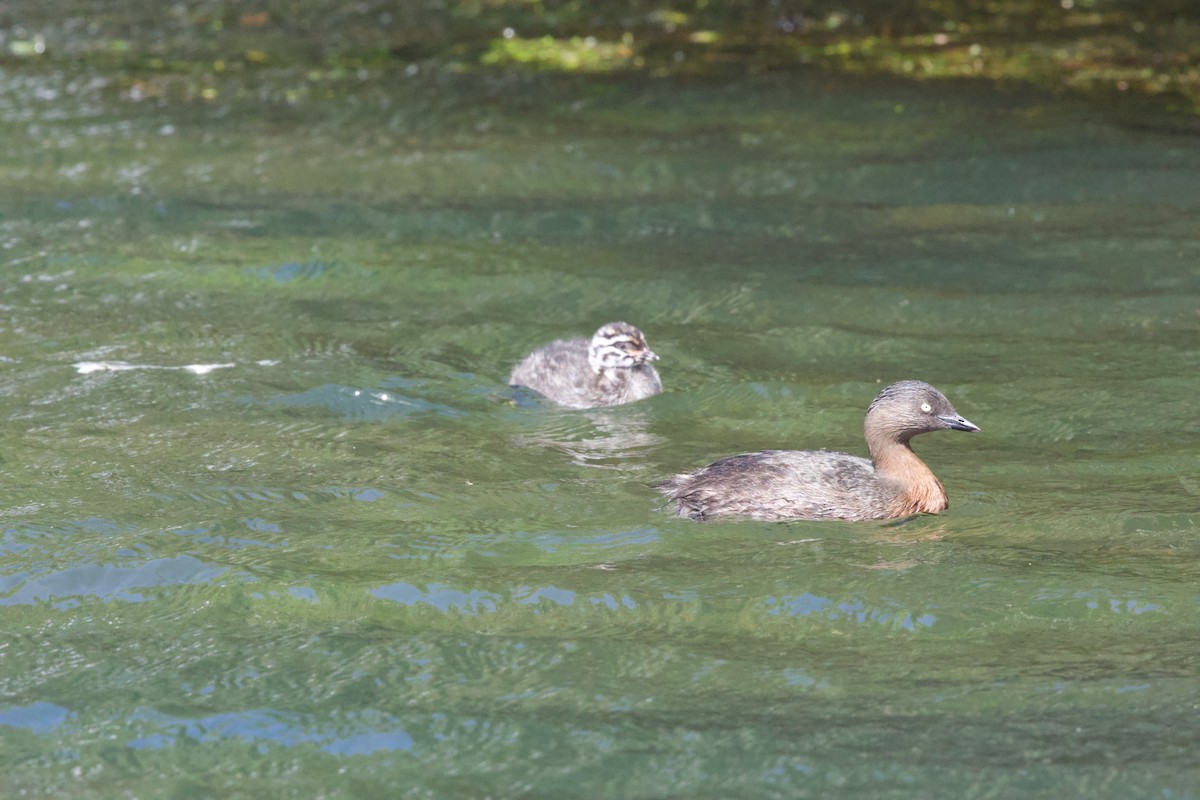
x=273, y=525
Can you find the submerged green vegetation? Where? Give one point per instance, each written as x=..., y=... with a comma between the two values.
x=1102, y=48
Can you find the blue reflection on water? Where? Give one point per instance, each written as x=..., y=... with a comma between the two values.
x=1132, y=688
x=264, y=727
x=41, y=718
x=303, y=593
x=1117, y=605
x=612, y=603
x=803, y=605
x=226, y=495
x=366, y=743
x=476, y=601
x=809, y=605
x=16, y=539
x=440, y=597
x=1095, y=600
x=110, y=582
x=11, y=542
x=793, y=676
x=292, y=270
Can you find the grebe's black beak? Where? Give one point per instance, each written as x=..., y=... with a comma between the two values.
x=957, y=423
x=646, y=355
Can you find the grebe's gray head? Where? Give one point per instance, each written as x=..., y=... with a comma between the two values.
x=619, y=345
x=907, y=408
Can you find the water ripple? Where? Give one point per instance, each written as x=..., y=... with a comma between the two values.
x=40, y=718
x=264, y=728
x=371, y=405
x=133, y=584
x=854, y=610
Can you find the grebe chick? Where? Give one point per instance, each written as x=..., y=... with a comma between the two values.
x=611, y=369
x=817, y=484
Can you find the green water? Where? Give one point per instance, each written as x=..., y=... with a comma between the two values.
x=346, y=564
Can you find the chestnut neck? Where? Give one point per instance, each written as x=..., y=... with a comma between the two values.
x=895, y=460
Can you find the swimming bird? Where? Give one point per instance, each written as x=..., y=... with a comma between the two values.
x=818, y=484
x=611, y=369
